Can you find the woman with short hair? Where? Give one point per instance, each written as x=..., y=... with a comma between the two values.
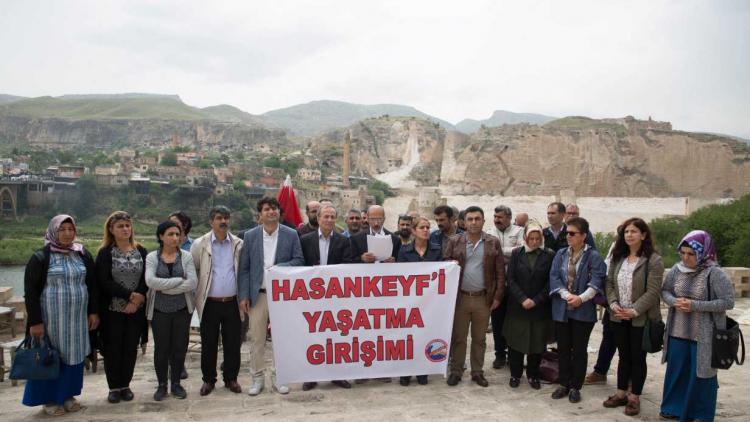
x=698, y=294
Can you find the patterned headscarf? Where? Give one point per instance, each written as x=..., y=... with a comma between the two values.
x=50, y=238
x=533, y=227
x=701, y=242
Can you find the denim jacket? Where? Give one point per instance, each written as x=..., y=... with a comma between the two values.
x=591, y=273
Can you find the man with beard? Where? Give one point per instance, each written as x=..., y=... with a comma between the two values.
x=353, y=223
x=311, y=209
x=404, y=229
x=445, y=219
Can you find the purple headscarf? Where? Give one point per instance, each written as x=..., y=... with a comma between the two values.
x=50, y=238
x=701, y=242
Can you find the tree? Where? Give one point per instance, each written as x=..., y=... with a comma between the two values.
x=169, y=159
x=272, y=162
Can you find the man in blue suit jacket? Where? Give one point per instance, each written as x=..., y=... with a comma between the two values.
x=265, y=246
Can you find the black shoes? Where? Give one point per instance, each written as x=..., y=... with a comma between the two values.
x=422, y=379
x=514, y=382
x=178, y=391
x=307, y=386
x=341, y=383
x=404, y=381
x=161, y=392
x=183, y=374
x=126, y=394
x=574, y=396
x=453, y=380
x=535, y=383
x=114, y=396
x=480, y=380
x=560, y=392
x=498, y=363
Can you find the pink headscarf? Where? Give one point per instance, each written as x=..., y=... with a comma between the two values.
x=533, y=227
x=50, y=238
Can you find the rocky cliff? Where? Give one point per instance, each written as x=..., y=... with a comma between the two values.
x=596, y=158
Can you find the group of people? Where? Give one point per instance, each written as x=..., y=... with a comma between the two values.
x=535, y=285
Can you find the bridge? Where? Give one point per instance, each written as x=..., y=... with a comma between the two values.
x=28, y=191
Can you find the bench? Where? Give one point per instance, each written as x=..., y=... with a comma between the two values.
x=12, y=346
x=8, y=320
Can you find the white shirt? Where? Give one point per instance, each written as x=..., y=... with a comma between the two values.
x=324, y=243
x=382, y=233
x=510, y=238
x=269, y=250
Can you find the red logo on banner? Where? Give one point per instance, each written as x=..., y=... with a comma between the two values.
x=436, y=350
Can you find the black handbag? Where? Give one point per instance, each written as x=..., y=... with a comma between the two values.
x=35, y=360
x=653, y=329
x=725, y=343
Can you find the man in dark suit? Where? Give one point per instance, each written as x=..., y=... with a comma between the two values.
x=326, y=247
x=375, y=218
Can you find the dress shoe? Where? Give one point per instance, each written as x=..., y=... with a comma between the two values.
x=668, y=416
x=341, y=383
x=114, y=396
x=307, y=386
x=634, y=407
x=453, y=380
x=614, y=401
x=560, y=392
x=498, y=363
x=361, y=381
x=535, y=383
x=161, y=392
x=126, y=394
x=574, y=396
x=404, y=381
x=178, y=391
x=183, y=374
x=480, y=380
x=233, y=386
x=514, y=382
x=422, y=379
x=257, y=386
x=595, y=378
x=207, y=388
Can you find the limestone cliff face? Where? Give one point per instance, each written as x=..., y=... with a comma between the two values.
x=61, y=133
x=596, y=160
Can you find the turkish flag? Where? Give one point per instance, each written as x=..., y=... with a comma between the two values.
x=288, y=202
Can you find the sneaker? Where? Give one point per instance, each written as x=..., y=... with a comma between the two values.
x=595, y=378
x=257, y=386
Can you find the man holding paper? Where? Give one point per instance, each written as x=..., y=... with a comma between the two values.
x=375, y=244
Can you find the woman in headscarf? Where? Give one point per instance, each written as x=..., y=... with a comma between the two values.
x=120, y=272
x=529, y=319
x=61, y=302
x=633, y=286
x=698, y=294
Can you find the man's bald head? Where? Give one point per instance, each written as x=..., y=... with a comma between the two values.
x=376, y=217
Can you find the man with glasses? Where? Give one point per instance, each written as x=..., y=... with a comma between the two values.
x=376, y=218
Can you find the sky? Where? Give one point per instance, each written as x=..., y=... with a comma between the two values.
x=684, y=61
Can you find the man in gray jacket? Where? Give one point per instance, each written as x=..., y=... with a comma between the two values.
x=265, y=246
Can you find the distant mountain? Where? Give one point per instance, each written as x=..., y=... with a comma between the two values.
x=317, y=116
x=227, y=113
x=5, y=98
x=501, y=117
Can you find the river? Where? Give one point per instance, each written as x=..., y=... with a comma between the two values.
x=12, y=276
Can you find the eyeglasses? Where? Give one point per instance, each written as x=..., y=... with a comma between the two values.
x=571, y=234
x=376, y=220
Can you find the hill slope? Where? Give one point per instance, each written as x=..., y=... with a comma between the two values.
x=501, y=117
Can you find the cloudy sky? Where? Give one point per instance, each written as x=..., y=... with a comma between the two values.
x=685, y=61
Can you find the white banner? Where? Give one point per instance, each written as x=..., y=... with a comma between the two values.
x=343, y=322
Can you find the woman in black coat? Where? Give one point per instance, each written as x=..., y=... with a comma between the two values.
x=529, y=319
x=420, y=250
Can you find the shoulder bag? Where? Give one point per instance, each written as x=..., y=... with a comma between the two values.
x=725, y=343
x=35, y=360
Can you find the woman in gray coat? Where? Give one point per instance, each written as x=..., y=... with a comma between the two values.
x=698, y=294
x=633, y=289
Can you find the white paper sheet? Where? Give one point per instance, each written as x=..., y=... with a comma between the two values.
x=380, y=246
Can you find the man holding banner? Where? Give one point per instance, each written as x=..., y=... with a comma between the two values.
x=265, y=246
x=326, y=247
x=481, y=286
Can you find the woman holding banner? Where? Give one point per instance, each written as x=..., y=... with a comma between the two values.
x=420, y=250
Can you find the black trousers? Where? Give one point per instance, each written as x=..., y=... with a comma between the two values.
x=122, y=335
x=221, y=318
x=498, y=318
x=572, y=343
x=632, y=366
x=171, y=336
x=607, y=347
x=515, y=360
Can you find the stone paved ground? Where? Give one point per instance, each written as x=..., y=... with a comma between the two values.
x=379, y=401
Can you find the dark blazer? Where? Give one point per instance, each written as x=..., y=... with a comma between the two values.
x=339, y=251
x=35, y=278
x=494, y=263
x=525, y=282
x=561, y=241
x=408, y=253
x=359, y=244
